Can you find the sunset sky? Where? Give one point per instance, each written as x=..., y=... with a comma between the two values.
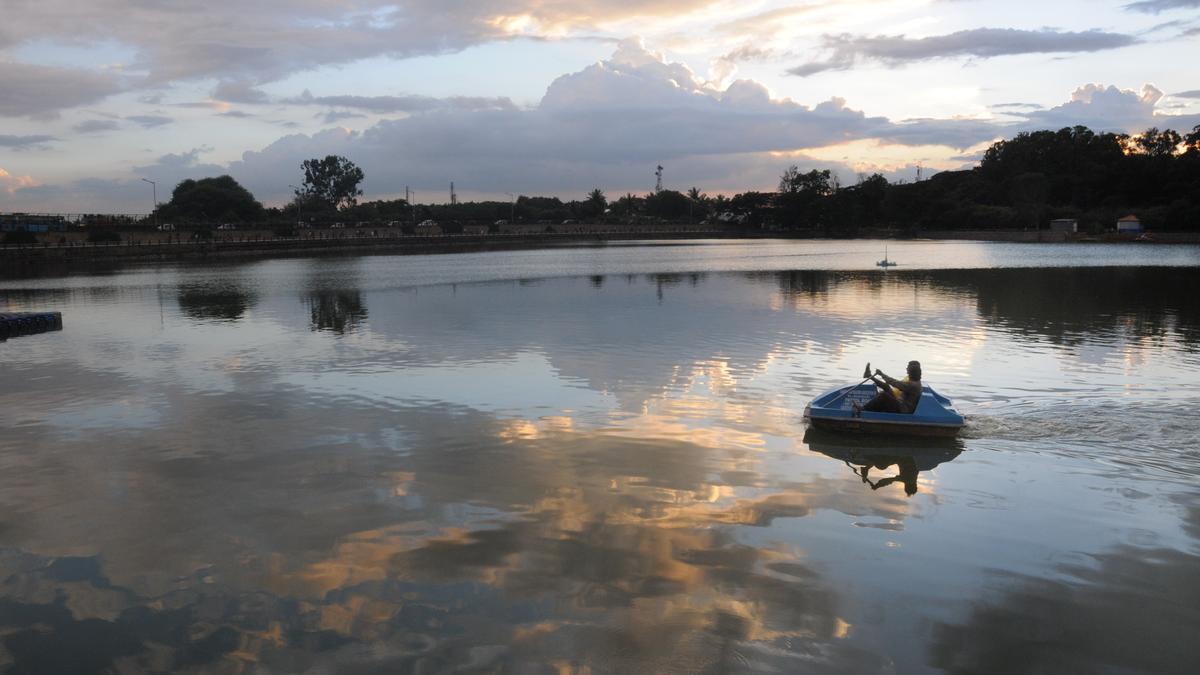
x=557, y=97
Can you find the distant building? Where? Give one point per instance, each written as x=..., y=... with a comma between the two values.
x=1064, y=225
x=28, y=222
x=1129, y=224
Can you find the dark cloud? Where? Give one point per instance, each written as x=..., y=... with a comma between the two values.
x=1156, y=6
x=96, y=126
x=956, y=133
x=150, y=121
x=845, y=51
x=43, y=91
x=249, y=44
x=235, y=113
x=335, y=116
x=239, y=92
x=404, y=104
x=1193, y=93
x=21, y=142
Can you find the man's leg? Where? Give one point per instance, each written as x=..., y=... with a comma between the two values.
x=883, y=402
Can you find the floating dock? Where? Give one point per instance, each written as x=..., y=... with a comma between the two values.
x=28, y=323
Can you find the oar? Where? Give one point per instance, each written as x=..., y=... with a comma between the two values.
x=866, y=376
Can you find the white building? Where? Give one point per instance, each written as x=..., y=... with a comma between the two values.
x=1129, y=224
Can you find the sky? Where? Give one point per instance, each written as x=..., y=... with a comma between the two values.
x=553, y=97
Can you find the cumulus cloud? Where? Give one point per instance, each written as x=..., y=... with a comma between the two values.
x=605, y=125
x=608, y=125
x=22, y=142
x=1156, y=6
x=42, y=91
x=10, y=183
x=845, y=51
x=1108, y=108
x=126, y=194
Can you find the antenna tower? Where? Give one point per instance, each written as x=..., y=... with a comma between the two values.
x=918, y=173
x=453, y=196
x=658, y=182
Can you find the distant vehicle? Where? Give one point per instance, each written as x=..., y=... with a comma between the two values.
x=427, y=223
x=302, y=225
x=500, y=222
x=363, y=223
x=337, y=226
x=166, y=227
x=227, y=226
x=568, y=222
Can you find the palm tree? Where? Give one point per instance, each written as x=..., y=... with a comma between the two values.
x=597, y=201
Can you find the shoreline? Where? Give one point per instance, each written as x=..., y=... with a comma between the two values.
x=258, y=245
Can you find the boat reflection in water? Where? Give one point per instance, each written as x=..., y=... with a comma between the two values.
x=873, y=459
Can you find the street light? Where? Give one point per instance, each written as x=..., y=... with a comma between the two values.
x=299, y=204
x=512, y=215
x=154, y=192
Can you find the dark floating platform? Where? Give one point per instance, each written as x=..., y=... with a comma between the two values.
x=28, y=323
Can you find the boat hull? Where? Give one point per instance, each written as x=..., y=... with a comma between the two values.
x=864, y=426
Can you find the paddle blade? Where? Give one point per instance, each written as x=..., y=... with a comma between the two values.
x=867, y=371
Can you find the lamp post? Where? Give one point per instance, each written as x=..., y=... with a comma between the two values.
x=154, y=193
x=512, y=214
x=299, y=205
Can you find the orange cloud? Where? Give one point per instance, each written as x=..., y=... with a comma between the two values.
x=10, y=183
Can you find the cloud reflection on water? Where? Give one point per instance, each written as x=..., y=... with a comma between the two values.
x=570, y=473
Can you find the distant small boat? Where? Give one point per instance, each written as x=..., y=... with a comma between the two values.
x=885, y=262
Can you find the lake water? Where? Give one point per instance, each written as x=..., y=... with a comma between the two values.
x=593, y=460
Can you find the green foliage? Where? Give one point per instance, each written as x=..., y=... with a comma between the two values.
x=668, y=205
x=211, y=200
x=330, y=183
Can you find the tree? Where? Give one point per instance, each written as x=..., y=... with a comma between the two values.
x=1158, y=143
x=331, y=182
x=802, y=196
x=596, y=202
x=668, y=205
x=628, y=206
x=209, y=199
x=815, y=182
x=1193, y=139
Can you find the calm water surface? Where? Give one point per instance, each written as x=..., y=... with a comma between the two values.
x=592, y=460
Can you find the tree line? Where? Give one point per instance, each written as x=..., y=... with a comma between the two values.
x=1020, y=183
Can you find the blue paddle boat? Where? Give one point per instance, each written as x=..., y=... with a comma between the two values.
x=834, y=411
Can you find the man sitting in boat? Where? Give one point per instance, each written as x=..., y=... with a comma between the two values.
x=895, y=396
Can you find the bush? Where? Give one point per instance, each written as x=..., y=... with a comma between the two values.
x=103, y=236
